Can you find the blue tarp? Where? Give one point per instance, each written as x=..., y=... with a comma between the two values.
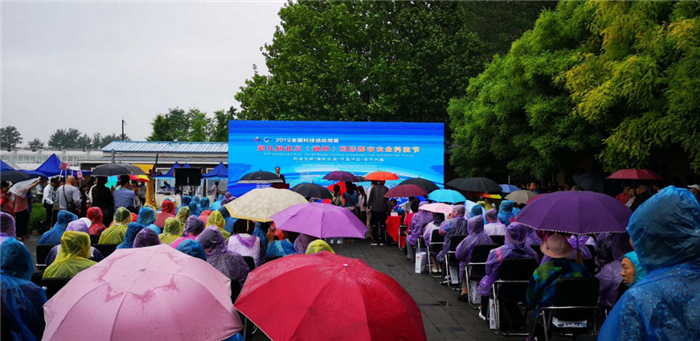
x=51, y=167
x=171, y=173
x=219, y=172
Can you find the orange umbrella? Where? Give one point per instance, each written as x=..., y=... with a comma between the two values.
x=381, y=176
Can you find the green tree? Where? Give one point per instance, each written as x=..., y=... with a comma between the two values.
x=219, y=131
x=176, y=125
x=99, y=141
x=200, y=125
x=9, y=137
x=65, y=138
x=374, y=60
x=36, y=144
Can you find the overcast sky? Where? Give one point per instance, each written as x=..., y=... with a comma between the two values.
x=89, y=65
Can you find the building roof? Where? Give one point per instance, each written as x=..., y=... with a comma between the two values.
x=166, y=147
x=152, y=159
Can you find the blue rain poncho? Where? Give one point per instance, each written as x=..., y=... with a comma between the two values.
x=505, y=212
x=22, y=300
x=639, y=271
x=131, y=232
x=204, y=205
x=217, y=204
x=192, y=248
x=281, y=248
x=186, y=200
x=53, y=236
x=665, y=304
x=194, y=209
x=147, y=218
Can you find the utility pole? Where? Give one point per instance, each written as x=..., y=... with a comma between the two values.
x=123, y=123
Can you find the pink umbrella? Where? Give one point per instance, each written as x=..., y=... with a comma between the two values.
x=150, y=293
x=320, y=220
x=438, y=208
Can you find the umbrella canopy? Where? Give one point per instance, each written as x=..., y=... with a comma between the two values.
x=427, y=185
x=259, y=204
x=576, y=212
x=446, y=195
x=403, y=191
x=115, y=169
x=535, y=198
x=508, y=188
x=381, y=176
x=219, y=172
x=328, y=297
x=15, y=176
x=475, y=185
x=321, y=221
x=521, y=196
x=438, y=208
x=590, y=182
x=260, y=177
x=139, y=178
x=635, y=174
x=341, y=176
x=311, y=190
x=5, y=167
x=135, y=294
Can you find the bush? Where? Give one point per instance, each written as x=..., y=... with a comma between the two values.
x=38, y=214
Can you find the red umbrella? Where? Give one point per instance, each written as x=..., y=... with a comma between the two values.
x=381, y=176
x=403, y=191
x=328, y=297
x=635, y=174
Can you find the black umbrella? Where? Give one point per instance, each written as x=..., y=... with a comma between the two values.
x=590, y=182
x=260, y=177
x=427, y=185
x=309, y=190
x=114, y=169
x=15, y=176
x=480, y=185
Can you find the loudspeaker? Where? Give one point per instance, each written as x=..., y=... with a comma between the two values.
x=188, y=176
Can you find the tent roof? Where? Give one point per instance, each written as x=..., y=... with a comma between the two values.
x=5, y=167
x=220, y=172
x=51, y=167
x=171, y=172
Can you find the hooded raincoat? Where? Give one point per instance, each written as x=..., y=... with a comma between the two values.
x=493, y=226
x=204, y=205
x=639, y=271
x=418, y=222
x=167, y=210
x=194, y=209
x=228, y=219
x=53, y=236
x=7, y=227
x=663, y=305
x=146, y=237
x=73, y=257
x=79, y=226
x=217, y=204
x=21, y=299
x=216, y=219
x=515, y=247
x=171, y=232
x=231, y=264
x=505, y=212
x=193, y=227
x=610, y=274
x=317, y=246
x=96, y=225
x=186, y=200
x=302, y=242
x=182, y=214
x=475, y=228
x=281, y=248
x=147, y=218
x=192, y=248
x=453, y=227
x=131, y=232
x=115, y=233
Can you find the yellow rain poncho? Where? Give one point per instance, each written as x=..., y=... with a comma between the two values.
x=182, y=214
x=73, y=256
x=317, y=246
x=216, y=219
x=115, y=234
x=171, y=231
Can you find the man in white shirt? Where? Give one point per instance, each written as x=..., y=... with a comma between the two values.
x=48, y=201
x=494, y=227
x=68, y=193
x=214, y=191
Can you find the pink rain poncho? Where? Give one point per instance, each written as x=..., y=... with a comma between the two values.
x=453, y=227
x=475, y=227
x=193, y=227
x=418, y=222
x=231, y=264
x=515, y=247
x=7, y=226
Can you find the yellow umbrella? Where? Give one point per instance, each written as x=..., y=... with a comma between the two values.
x=260, y=204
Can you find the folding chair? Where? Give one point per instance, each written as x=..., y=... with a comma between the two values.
x=401, y=232
x=42, y=251
x=498, y=239
x=250, y=261
x=106, y=249
x=514, y=275
x=575, y=299
x=451, y=260
x=436, y=242
x=53, y=285
x=476, y=268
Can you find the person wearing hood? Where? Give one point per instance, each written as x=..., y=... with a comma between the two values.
x=182, y=214
x=22, y=301
x=96, y=221
x=514, y=247
x=167, y=210
x=53, y=236
x=193, y=248
x=609, y=275
x=437, y=221
x=418, y=222
x=229, y=263
x=115, y=233
x=7, y=227
x=204, y=205
x=193, y=227
x=73, y=257
x=216, y=219
x=243, y=243
x=194, y=209
x=79, y=226
x=228, y=226
x=146, y=237
x=301, y=243
x=494, y=227
x=217, y=203
x=457, y=225
x=130, y=236
x=580, y=253
x=228, y=197
x=505, y=212
x=662, y=305
x=172, y=231
x=463, y=253
x=186, y=200
x=317, y=246
x=147, y=218
x=280, y=248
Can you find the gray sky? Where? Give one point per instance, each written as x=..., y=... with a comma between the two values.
x=89, y=65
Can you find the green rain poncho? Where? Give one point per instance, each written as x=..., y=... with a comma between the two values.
x=317, y=246
x=171, y=231
x=182, y=214
x=73, y=257
x=216, y=219
x=115, y=233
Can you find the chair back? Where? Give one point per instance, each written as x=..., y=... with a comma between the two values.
x=455, y=240
x=436, y=237
x=250, y=261
x=480, y=253
x=94, y=239
x=575, y=292
x=42, y=251
x=53, y=285
x=498, y=239
x=106, y=249
x=590, y=265
x=271, y=258
x=515, y=269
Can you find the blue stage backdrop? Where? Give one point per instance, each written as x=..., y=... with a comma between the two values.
x=308, y=150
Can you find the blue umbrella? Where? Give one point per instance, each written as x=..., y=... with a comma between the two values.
x=508, y=188
x=447, y=196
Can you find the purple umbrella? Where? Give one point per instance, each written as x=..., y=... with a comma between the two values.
x=341, y=176
x=576, y=212
x=320, y=220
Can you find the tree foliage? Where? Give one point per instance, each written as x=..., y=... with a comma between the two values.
x=36, y=144
x=612, y=79
x=377, y=60
x=219, y=131
x=71, y=138
x=193, y=126
x=10, y=137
